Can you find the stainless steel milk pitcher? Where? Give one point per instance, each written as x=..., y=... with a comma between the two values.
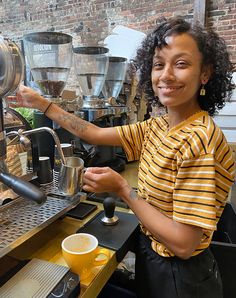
x=71, y=176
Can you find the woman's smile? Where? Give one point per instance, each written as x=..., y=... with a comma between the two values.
x=169, y=90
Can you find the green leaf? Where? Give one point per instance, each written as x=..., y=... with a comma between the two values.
x=27, y=114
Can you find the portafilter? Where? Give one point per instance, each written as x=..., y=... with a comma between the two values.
x=11, y=74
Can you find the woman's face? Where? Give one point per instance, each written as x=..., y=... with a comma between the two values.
x=177, y=73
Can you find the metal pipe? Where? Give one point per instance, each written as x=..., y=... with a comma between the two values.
x=53, y=134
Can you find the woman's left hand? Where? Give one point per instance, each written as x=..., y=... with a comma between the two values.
x=103, y=179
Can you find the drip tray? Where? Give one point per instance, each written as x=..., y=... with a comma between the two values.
x=42, y=279
x=21, y=219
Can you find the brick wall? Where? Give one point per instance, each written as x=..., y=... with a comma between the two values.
x=90, y=21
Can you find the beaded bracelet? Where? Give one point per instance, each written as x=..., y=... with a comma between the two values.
x=48, y=107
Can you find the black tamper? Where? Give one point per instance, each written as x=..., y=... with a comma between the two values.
x=109, y=207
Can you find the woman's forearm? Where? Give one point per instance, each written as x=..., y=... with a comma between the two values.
x=85, y=130
x=77, y=126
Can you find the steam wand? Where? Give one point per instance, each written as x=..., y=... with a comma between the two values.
x=25, y=141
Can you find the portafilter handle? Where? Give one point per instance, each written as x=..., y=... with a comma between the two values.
x=23, y=188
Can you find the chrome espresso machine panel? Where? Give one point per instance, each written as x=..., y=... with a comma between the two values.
x=30, y=209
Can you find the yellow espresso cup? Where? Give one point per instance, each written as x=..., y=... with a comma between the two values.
x=81, y=251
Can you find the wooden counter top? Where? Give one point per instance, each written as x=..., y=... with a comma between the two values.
x=46, y=245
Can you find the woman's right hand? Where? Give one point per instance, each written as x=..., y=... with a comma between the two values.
x=103, y=179
x=29, y=98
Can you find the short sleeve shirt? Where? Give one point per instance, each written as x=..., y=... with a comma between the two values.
x=185, y=172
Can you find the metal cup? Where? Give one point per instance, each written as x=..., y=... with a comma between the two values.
x=71, y=176
x=67, y=151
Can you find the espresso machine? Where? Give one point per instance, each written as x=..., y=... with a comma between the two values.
x=11, y=74
x=31, y=206
x=35, y=208
x=49, y=56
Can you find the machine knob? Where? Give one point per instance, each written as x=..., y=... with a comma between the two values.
x=109, y=208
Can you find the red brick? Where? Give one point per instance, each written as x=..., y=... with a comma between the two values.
x=99, y=17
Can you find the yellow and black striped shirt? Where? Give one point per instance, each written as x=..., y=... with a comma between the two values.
x=186, y=172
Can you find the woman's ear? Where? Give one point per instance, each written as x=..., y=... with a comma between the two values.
x=206, y=74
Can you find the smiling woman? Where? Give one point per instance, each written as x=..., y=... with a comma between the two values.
x=186, y=167
x=184, y=159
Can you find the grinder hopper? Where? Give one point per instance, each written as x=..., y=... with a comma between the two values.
x=91, y=63
x=115, y=77
x=49, y=55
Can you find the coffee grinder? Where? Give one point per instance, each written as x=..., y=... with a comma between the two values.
x=91, y=64
x=113, y=85
x=49, y=55
x=92, y=68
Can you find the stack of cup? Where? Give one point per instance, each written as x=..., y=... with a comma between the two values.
x=68, y=152
x=45, y=174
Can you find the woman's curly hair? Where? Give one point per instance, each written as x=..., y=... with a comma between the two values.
x=214, y=52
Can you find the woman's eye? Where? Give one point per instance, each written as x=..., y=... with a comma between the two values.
x=157, y=65
x=181, y=64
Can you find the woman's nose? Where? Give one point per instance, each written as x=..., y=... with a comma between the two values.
x=167, y=73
